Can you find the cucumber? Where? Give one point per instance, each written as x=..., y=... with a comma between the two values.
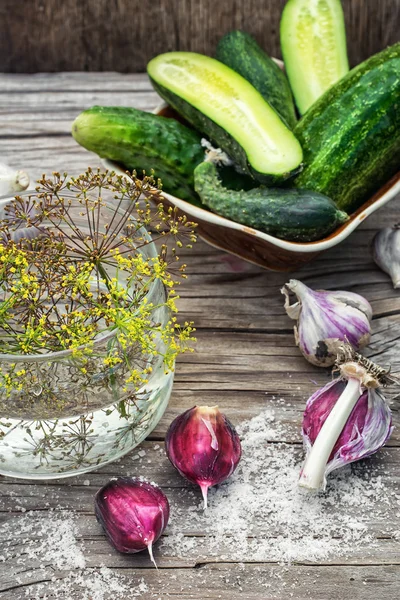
x=313, y=42
x=290, y=214
x=228, y=110
x=233, y=180
x=143, y=141
x=351, y=136
x=240, y=51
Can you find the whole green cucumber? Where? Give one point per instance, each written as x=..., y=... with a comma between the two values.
x=143, y=141
x=351, y=135
x=230, y=112
x=290, y=214
x=240, y=52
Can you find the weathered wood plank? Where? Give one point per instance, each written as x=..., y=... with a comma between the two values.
x=89, y=36
x=98, y=552
x=63, y=101
x=245, y=582
x=110, y=82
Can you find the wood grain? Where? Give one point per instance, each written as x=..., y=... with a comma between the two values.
x=245, y=360
x=122, y=35
x=247, y=582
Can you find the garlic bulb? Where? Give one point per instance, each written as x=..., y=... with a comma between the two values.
x=346, y=420
x=386, y=252
x=11, y=180
x=324, y=319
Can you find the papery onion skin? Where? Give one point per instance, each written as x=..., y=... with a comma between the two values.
x=133, y=513
x=203, y=446
x=325, y=319
x=366, y=431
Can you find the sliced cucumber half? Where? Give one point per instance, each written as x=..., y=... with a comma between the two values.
x=229, y=110
x=313, y=42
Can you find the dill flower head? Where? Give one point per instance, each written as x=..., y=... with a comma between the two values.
x=77, y=263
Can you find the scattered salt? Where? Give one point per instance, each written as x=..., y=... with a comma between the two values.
x=262, y=514
x=49, y=542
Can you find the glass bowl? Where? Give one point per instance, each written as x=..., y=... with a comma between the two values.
x=63, y=421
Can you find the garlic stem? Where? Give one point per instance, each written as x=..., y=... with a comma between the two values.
x=313, y=473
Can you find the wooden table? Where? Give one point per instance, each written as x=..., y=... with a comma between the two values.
x=245, y=355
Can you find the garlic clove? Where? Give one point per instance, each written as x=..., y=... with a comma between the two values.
x=133, y=513
x=11, y=180
x=203, y=446
x=325, y=319
x=386, y=252
x=354, y=300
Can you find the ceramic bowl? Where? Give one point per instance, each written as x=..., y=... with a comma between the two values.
x=260, y=248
